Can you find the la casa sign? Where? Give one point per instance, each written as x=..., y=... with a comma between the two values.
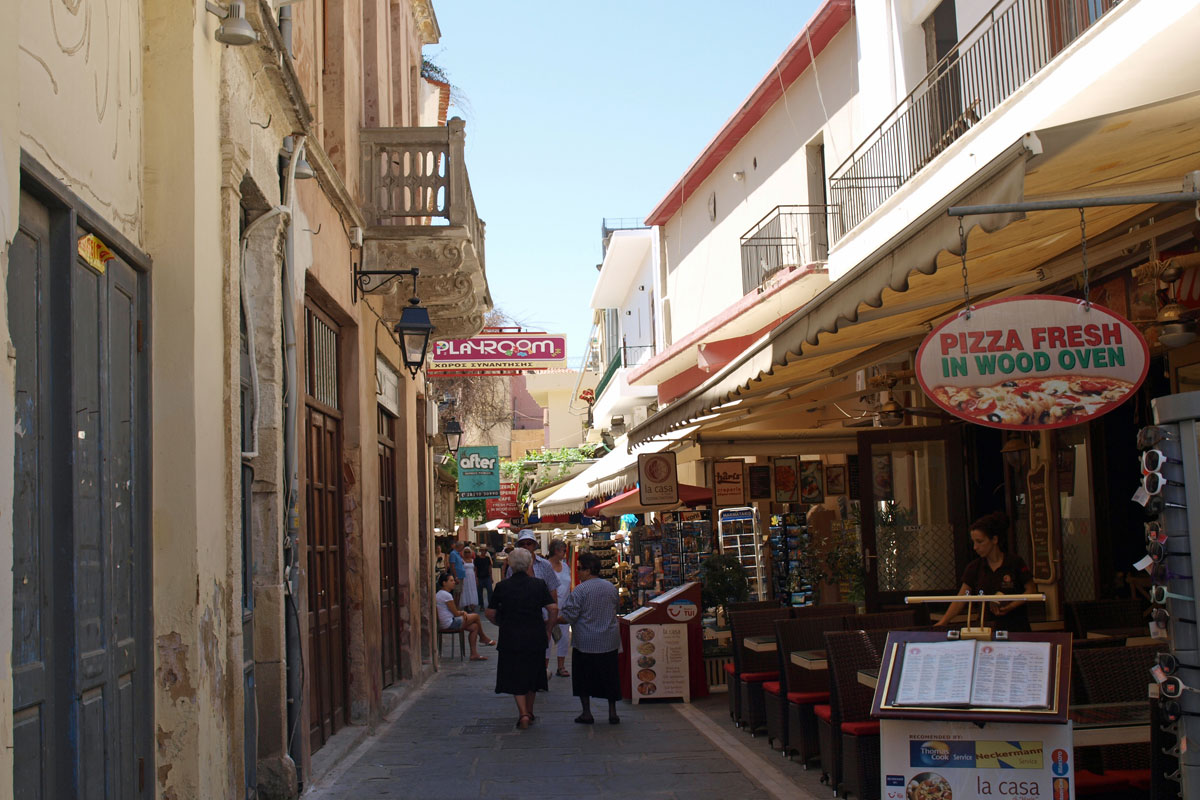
x=1033, y=362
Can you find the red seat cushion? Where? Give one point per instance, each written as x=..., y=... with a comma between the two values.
x=771, y=687
x=1137, y=778
x=759, y=677
x=1087, y=782
x=868, y=727
x=730, y=669
x=808, y=698
x=824, y=712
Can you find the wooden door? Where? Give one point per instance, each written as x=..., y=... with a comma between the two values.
x=389, y=556
x=913, y=508
x=81, y=599
x=323, y=494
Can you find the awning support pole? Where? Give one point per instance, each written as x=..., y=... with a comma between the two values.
x=1088, y=202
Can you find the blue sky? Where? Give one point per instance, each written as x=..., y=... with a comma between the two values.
x=585, y=110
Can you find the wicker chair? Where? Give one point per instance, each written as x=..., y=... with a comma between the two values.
x=753, y=605
x=885, y=620
x=1119, y=675
x=752, y=669
x=733, y=683
x=806, y=689
x=849, y=737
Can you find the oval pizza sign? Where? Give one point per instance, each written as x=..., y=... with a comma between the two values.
x=1032, y=362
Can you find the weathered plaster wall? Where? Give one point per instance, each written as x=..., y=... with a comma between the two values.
x=81, y=62
x=197, y=690
x=9, y=194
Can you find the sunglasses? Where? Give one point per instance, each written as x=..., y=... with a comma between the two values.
x=1159, y=617
x=1151, y=435
x=1160, y=594
x=1169, y=663
x=1153, y=460
x=1156, y=505
x=1173, y=688
x=1155, y=532
x=1154, y=482
x=1171, y=711
x=1159, y=574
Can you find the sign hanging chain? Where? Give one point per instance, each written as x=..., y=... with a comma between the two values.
x=962, y=248
x=1087, y=286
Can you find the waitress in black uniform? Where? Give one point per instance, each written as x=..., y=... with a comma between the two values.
x=995, y=572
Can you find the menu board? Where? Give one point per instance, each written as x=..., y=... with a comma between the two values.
x=1002, y=674
x=937, y=760
x=658, y=661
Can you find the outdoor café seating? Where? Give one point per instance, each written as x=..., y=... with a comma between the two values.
x=849, y=737
x=1120, y=617
x=1115, y=675
x=751, y=669
x=806, y=688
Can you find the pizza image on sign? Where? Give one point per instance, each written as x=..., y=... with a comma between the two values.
x=1034, y=362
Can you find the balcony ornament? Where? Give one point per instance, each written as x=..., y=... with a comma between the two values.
x=235, y=29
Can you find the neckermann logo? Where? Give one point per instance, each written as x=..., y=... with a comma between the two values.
x=476, y=461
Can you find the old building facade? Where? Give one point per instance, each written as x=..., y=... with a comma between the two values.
x=221, y=536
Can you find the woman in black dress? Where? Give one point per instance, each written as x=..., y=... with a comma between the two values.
x=516, y=607
x=995, y=572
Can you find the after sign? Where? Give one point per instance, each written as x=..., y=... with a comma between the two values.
x=1033, y=362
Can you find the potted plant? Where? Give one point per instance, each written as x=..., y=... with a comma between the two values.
x=723, y=582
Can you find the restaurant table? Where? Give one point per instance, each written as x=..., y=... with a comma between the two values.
x=868, y=677
x=810, y=659
x=1141, y=631
x=1111, y=723
x=721, y=635
x=759, y=644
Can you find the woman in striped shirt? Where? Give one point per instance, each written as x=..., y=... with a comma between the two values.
x=592, y=611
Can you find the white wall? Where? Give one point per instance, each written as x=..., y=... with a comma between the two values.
x=703, y=256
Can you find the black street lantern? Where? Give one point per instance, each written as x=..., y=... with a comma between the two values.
x=453, y=436
x=415, y=329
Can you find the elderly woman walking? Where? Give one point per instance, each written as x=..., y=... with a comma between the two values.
x=516, y=607
x=591, y=608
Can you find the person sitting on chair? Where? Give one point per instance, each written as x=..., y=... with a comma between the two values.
x=451, y=620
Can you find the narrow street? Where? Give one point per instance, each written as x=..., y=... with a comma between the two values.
x=454, y=738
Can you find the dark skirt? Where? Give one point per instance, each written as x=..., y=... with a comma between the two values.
x=595, y=675
x=521, y=672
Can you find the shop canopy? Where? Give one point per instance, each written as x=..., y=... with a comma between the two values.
x=630, y=503
x=615, y=472
x=798, y=383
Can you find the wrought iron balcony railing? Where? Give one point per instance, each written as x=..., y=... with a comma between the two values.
x=1013, y=41
x=416, y=177
x=788, y=236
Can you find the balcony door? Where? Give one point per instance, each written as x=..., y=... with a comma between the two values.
x=912, y=492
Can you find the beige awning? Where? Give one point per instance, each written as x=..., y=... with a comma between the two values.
x=885, y=305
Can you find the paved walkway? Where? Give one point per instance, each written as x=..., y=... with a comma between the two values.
x=455, y=738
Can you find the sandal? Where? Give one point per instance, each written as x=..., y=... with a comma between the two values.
x=582, y=720
x=613, y=719
x=521, y=721
x=479, y=658
x=491, y=643
x=562, y=673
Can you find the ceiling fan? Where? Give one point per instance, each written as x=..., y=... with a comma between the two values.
x=1175, y=322
x=887, y=412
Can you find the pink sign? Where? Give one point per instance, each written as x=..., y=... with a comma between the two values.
x=508, y=351
x=1033, y=362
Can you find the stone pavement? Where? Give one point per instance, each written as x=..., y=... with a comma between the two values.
x=455, y=738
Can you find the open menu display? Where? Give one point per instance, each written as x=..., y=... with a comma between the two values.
x=1001, y=674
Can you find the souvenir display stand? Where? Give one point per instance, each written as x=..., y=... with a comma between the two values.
x=789, y=540
x=661, y=648
x=975, y=717
x=738, y=531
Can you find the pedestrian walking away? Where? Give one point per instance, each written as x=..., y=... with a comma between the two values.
x=558, y=551
x=517, y=607
x=483, y=575
x=458, y=569
x=450, y=618
x=591, y=608
x=470, y=586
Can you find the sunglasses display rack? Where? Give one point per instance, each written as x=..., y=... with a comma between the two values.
x=1170, y=493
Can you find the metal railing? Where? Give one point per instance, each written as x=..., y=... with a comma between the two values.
x=634, y=355
x=417, y=177
x=610, y=224
x=788, y=236
x=1013, y=41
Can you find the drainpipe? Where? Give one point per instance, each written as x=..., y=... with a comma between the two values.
x=291, y=537
x=285, y=28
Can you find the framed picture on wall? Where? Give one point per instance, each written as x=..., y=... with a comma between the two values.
x=760, y=482
x=881, y=476
x=812, y=482
x=835, y=479
x=787, y=479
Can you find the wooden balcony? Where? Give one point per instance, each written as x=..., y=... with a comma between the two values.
x=420, y=213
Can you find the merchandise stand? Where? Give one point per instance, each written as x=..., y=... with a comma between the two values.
x=974, y=750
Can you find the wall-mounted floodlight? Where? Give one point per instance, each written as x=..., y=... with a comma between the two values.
x=235, y=29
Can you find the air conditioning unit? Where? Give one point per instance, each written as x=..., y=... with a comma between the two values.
x=617, y=425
